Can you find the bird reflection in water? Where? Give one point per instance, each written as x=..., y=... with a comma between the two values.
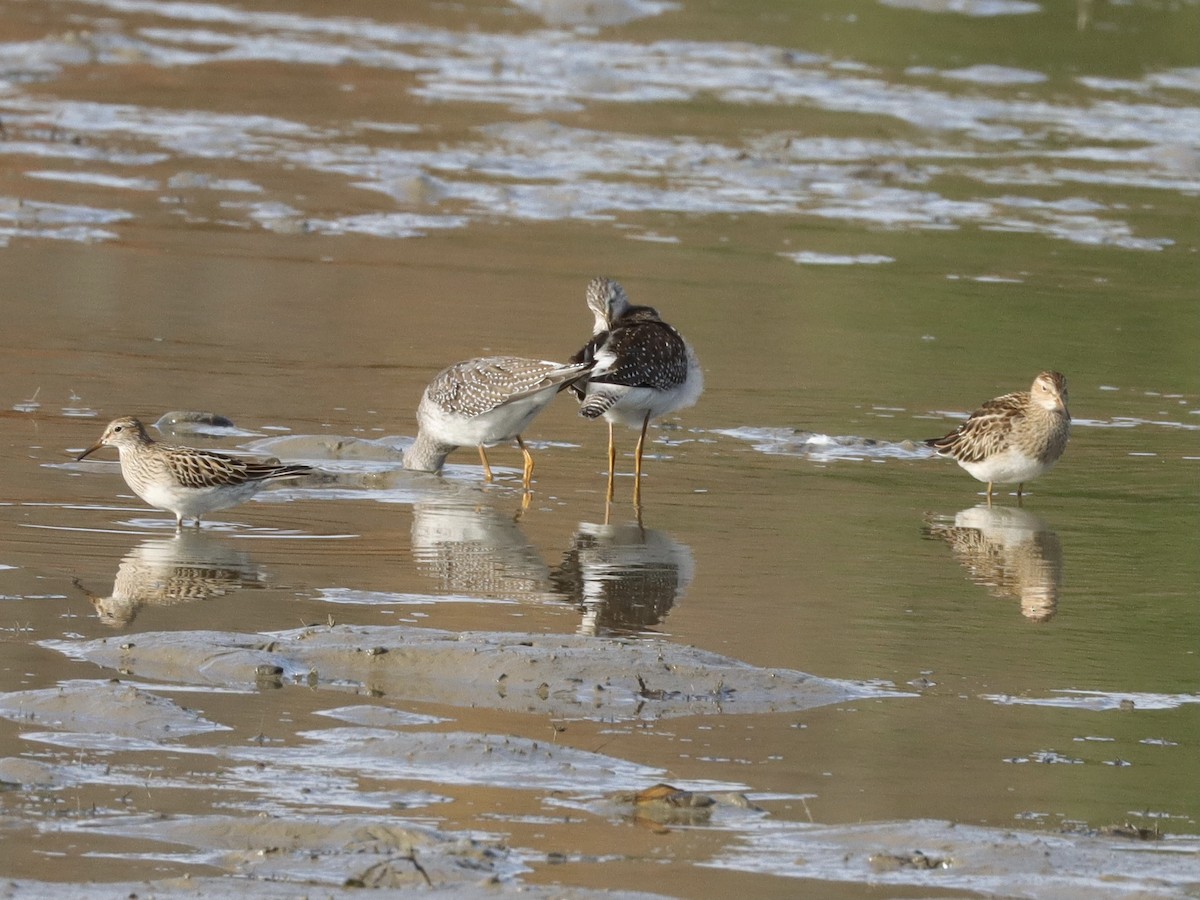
x=1009, y=551
x=470, y=547
x=190, y=566
x=623, y=578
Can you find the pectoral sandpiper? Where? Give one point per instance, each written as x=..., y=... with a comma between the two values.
x=644, y=369
x=483, y=402
x=184, y=480
x=1015, y=438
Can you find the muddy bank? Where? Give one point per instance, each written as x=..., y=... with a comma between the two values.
x=332, y=857
x=271, y=825
x=991, y=861
x=561, y=676
x=182, y=888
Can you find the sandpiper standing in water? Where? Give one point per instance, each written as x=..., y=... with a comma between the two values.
x=644, y=369
x=483, y=402
x=1015, y=438
x=184, y=480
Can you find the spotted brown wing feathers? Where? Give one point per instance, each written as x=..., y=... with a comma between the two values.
x=985, y=432
x=205, y=468
x=650, y=354
x=474, y=387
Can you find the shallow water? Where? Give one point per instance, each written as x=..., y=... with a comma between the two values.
x=867, y=218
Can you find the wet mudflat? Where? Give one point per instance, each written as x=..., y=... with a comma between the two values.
x=853, y=676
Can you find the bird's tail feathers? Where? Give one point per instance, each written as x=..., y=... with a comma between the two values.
x=274, y=471
x=943, y=445
x=595, y=405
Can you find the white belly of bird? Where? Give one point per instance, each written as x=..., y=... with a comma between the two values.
x=631, y=409
x=1009, y=467
x=501, y=424
x=190, y=502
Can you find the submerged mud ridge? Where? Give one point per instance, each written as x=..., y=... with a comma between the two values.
x=557, y=675
x=824, y=447
x=108, y=708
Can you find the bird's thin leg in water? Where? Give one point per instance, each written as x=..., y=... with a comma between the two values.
x=528, y=476
x=637, y=463
x=612, y=462
x=487, y=470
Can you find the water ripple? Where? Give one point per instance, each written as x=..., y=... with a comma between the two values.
x=535, y=170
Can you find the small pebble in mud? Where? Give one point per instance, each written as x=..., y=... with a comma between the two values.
x=666, y=804
x=377, y=651
x=1133, y=832
x=1124, y=830
x=672, y=796
x=891, y=862
x=268, y=677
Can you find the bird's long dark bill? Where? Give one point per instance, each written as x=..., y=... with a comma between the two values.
x=89, y=451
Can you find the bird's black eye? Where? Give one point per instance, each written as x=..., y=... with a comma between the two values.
x=118, y=428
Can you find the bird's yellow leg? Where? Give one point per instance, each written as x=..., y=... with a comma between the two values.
x=612, y=462
x=528, y=477
x=487, y=470
x=637, y=463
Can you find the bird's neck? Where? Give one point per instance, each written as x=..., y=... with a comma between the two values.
x=426, y=454
x=135, y=447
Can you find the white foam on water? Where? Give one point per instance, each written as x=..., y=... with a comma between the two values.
x=1097, y=700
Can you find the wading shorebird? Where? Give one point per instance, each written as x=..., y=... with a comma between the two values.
x=483, y=402
x=644, y=369
x=1015, y=438
x=184, y=480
